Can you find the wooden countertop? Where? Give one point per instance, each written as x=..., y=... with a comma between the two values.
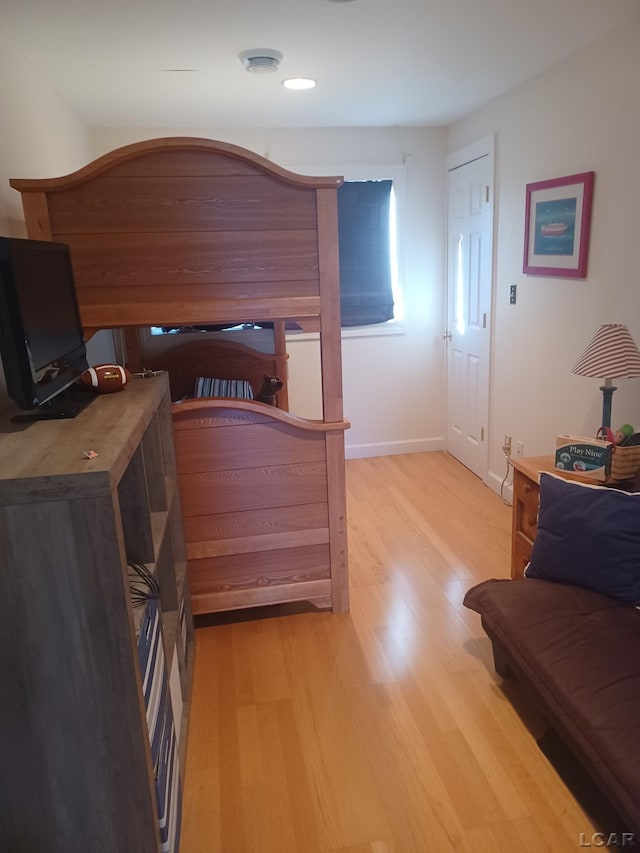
x=533, y=466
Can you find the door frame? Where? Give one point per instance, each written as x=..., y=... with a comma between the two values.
x=483, y=147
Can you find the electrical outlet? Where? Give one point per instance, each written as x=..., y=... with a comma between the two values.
x=506, y=447
x=519, y=452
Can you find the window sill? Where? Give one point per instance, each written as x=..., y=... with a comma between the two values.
x=380, y=330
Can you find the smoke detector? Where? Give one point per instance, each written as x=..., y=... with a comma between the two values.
x=261, y=60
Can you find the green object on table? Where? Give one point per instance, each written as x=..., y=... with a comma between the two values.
x=623, y=435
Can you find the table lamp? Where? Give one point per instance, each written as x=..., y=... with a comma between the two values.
x=611, y=354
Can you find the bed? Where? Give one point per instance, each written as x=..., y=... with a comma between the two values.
x=181, y=231
x=216, y=359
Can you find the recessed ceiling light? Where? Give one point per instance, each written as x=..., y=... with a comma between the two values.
x=261, y=60
x=299, y=83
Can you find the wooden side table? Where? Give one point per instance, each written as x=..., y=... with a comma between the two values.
x=526, y=489
x=524, y=524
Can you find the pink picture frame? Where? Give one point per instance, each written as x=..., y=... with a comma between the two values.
x=557, y=226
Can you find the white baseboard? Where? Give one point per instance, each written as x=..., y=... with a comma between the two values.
x=494, y=481
x=393, y=448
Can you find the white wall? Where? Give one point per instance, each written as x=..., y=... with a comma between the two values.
x=40, y=138
x=583, y=115
x=393, y=385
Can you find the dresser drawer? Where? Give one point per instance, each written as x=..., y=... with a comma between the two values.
x=525, y=499
x=520, y=555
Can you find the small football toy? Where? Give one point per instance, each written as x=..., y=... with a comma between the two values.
x=105, y=378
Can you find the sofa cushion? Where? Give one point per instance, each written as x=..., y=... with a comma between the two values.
x=588, y=536
x=578, y=651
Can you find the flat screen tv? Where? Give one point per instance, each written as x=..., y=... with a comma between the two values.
x=41, y=339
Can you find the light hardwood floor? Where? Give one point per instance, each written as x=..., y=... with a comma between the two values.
x=384, y=730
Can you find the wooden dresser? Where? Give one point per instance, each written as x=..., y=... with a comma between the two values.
x=526, y=488
x=79, y=771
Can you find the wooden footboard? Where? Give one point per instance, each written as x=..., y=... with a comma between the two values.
x=263, y=508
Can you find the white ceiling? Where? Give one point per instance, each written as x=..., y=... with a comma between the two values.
x=377, y=63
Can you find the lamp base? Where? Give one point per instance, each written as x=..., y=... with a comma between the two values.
x=607, y=393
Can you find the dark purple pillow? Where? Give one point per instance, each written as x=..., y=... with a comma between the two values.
x=588, y=536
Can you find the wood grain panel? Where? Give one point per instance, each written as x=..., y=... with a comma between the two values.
x=20, y=490
x=207, y=411
x=134, y=507
x=338, y=522
x=131, y=337
x=254, y=488
x=201, y=414
x=282, y=367
x=212, y=293
x=259, y=570
x=252, y=446
x=112, y=425
x=74, y=659
x=235, y=525
x=120, y=260
x=154, y=467
x=166, y=438
x=177, y=535
x=317, y=592
x=254, y=544
x=330, y=329
x=36, y=214
x=165, y=568
x=164, y=204
x=183, y=164
x=198, y=303
x=520, y=556
x=193, y=156
x=163, y=312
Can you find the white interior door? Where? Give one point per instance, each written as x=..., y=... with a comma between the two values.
x=468, y=332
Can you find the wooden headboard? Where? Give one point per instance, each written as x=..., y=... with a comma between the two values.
x=215, y=359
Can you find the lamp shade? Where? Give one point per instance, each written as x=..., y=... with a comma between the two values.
x=612, y=353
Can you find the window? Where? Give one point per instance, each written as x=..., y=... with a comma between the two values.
x=365, y=217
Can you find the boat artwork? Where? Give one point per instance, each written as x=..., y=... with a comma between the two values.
x=553, y=229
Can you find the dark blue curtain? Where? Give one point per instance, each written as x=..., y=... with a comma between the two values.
x=365, y=253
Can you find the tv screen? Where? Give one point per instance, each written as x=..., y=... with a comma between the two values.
x=41, y=339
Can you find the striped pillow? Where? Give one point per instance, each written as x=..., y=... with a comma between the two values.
x=206, y=387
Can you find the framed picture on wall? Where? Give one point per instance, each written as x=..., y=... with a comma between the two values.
x=557, y=223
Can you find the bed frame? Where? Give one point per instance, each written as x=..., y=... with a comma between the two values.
x=218, y=359
x=179, y=231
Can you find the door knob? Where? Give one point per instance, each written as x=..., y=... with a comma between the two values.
x=446, y=335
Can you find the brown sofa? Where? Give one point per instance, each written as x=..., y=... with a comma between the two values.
x=577, y=652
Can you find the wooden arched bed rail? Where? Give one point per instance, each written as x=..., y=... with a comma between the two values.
x=208, y=408
x=183, y=231
x=216, y=358
x=232, y=154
